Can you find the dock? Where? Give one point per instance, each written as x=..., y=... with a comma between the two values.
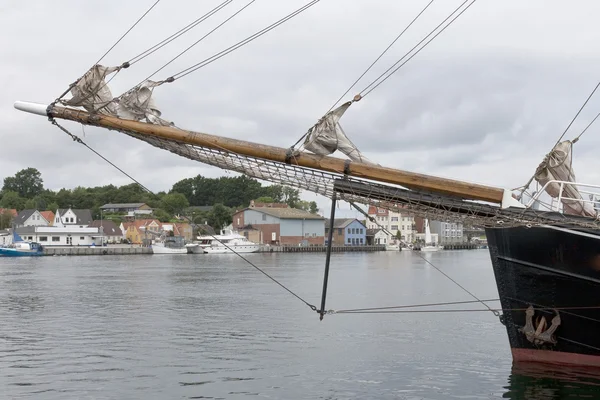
x=96, y=251
x=320, y=249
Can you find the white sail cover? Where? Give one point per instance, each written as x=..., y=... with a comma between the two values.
x=557, y=165
x=138, y=104
x=92, y=93
x=327, y=136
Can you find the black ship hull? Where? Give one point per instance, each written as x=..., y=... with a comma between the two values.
x=548, y=280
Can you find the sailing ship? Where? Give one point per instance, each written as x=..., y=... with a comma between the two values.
x=546, y=260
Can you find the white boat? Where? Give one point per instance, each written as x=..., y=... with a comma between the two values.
x=428, y=245
x=392, y=247
x=194, y=248
x=169, y=245
x=232, y=241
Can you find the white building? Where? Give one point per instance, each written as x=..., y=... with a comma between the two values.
x=6, y=237
x=448, y=232
x=30, y=218
x=60, y=236
x=393, y=222
x=69, y=217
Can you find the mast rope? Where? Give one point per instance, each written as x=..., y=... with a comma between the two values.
x=196, y=42
x=373, y=85
x=125, y=34
x=381, y=55
x=179, y=33
x=453, y=310
x=78, y=140
x=243, y=42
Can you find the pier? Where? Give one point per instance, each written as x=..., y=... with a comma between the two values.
x=96, y=251
x=319, y=249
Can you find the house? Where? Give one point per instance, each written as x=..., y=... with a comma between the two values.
x=69, y=217
x=393, y=222
x=70, y=235
x=109, y=230
x=10, y=211
x=376, y=237
x=48, y=216
x=283, y=225
x=132, y=208
x=347, y=231
x=141, y=229
x=251, y=233
x=30, y=218
x=447, y=232
x=179, y=229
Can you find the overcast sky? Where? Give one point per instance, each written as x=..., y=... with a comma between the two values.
x=484, y=102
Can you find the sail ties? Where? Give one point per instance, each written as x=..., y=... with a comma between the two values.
x=327, y=136
x=558, y=166
x=93, y=94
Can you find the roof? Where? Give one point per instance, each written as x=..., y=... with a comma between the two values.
x=110, y=228
x=48, y=216
x=372, y=232
x=286, y=213
x=10, y=210
x=23, y=216
x=84, y=217
x=342, y=222
x=123, y=205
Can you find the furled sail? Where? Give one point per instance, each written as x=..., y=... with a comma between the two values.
x=327, y=136
x=93, y=93
x=557, y=166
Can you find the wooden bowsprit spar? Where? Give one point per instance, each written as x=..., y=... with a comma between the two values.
x=411, y=180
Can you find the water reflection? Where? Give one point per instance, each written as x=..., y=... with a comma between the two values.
x=536, y=382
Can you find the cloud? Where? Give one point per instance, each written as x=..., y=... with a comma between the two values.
x=483, y=103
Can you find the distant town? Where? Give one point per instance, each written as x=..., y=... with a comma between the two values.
x=268, y=215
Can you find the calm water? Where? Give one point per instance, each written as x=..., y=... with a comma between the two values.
x=212, y=327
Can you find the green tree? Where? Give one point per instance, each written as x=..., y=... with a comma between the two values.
x=313, y=209
x=52, y=207
x=161, y=215
x=219, y=217
x=12, y=199
x=174, y=203
x=291, y=196
x=6, y=219
x=27, y=183
x=265, y=199
x=30, y=204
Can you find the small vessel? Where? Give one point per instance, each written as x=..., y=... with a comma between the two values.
x=194, y=248
x=428, y=244
x=21, y=248
x=170, y=245
x=225, y=243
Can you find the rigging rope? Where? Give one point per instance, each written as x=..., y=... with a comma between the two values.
x=78, y=140
x=381, y=55
x=198, y=41
x=179, y=33
x=243, y=42
x=372, y=86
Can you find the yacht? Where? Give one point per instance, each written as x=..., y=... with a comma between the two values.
x=225, y=243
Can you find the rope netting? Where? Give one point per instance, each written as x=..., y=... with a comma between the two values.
x=395, y=198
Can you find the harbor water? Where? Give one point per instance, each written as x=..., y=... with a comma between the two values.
x=213, y=327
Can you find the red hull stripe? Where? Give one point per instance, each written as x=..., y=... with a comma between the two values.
x=555, y=357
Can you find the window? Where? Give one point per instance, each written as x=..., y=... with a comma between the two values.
x=349, y=230
x=340, y=231
x=264, y=217
x=326, y=230
x=394, y=227
x=30, y=238
x=349, y=240
x=81, y=238
x=394, y=219
x=361, y=240
x=361, y=230
x=43, y=238
x=55, y=239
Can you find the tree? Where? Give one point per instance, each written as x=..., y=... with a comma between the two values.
x=30, y=204
x=219, y=217
x=6, y=219
x=52, y=207
x=174, y=203
x=313, y=209
x=161, y=215
x=27, y=183
x=291, y=196
x=12, y=200
x=264, y=199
